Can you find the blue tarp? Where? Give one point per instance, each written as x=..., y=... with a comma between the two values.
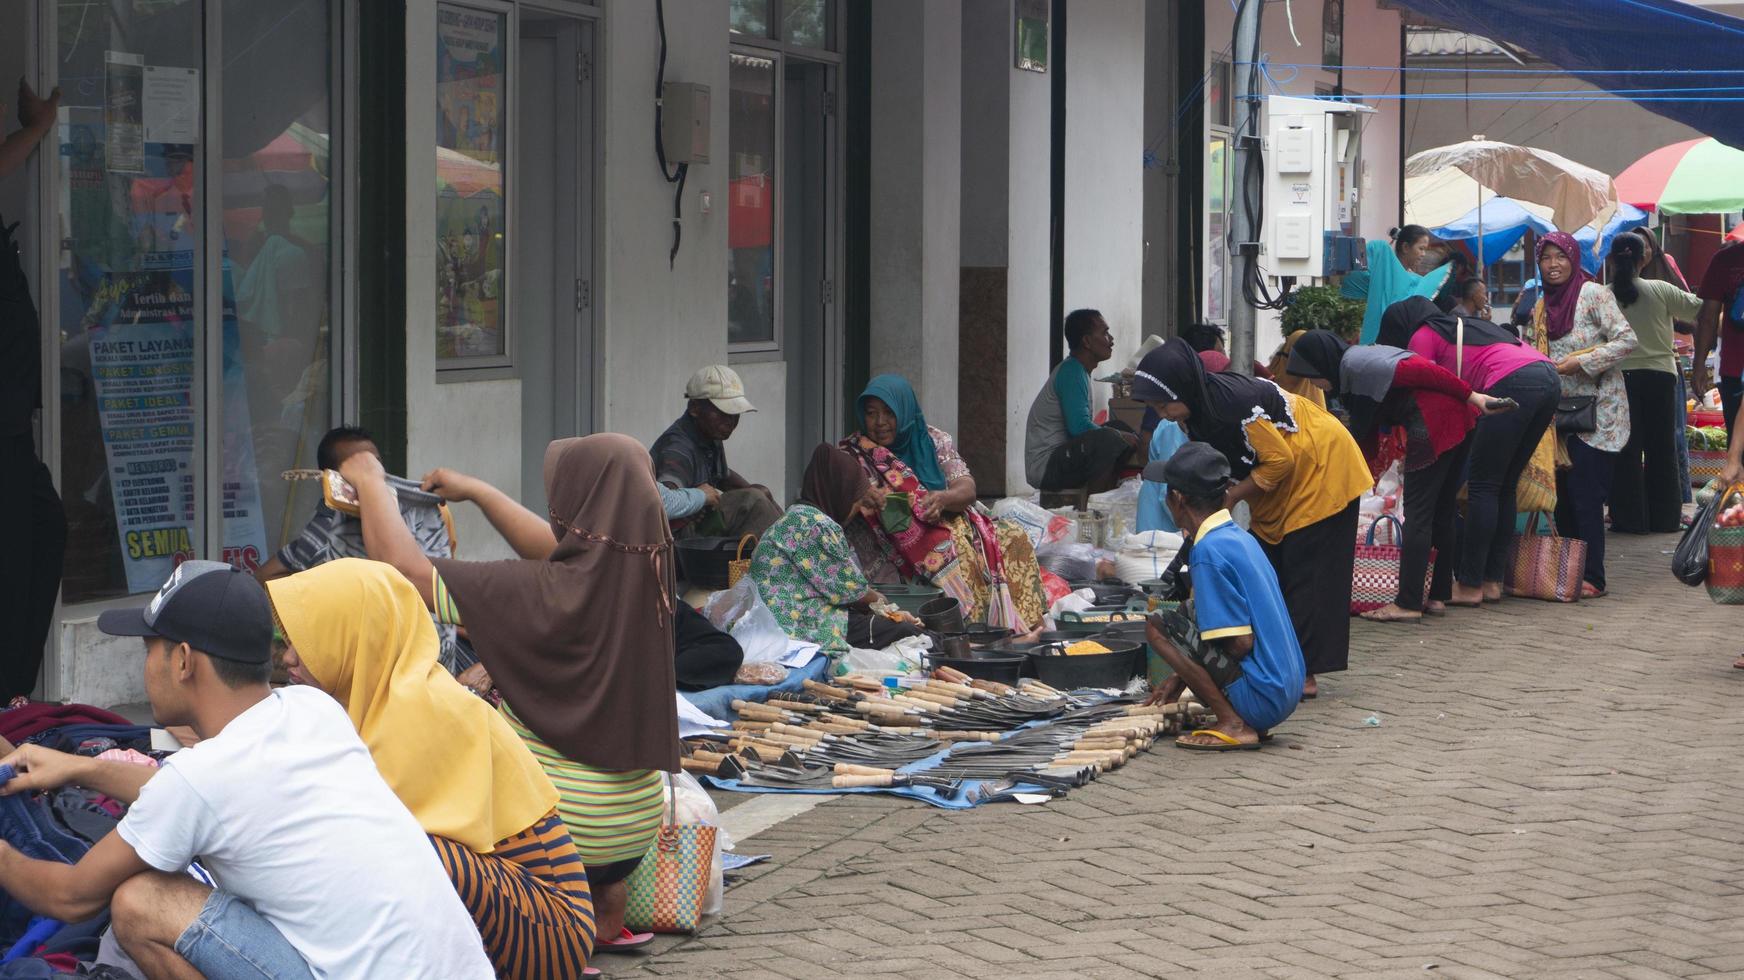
x=1623, y=46
x=1506, y=222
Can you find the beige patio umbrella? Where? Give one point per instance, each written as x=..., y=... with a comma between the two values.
x=1571, y=195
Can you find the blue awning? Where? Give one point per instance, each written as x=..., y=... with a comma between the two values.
x=1505, y=222
x=1624, y=46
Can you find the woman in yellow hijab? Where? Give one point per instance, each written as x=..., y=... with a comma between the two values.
x=1298, y=386
x=358, y=630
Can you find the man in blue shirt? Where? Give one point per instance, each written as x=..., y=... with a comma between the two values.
x=1064, y=448
x=1246, y=667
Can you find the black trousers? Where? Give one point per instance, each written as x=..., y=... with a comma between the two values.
x=30, y=566
x=1314, y=566
x=1431, y=503
x=1645, y=496
x=1502, y=445
x=1581, y=492
x=1088, y=458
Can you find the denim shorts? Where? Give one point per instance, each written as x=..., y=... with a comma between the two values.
x=230, y=939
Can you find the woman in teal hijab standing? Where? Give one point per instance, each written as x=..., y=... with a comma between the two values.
x=1392, y=276
x=931, y=528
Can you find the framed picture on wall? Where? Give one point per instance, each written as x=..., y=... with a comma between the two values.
x=472, y=49
x=1031, y=35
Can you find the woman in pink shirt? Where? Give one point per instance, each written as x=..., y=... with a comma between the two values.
x=1494, y=361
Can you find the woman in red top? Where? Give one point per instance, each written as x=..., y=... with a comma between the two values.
x=1403, y=406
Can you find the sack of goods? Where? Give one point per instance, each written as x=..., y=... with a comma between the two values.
x=1146, y=556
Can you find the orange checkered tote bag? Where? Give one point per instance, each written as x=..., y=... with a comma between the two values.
x=668, y=887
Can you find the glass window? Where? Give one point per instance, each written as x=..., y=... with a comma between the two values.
x=806, y=23
x=471, y=77
x=278, y=214
x=750, y=17
x=1216, y=226
x=129, y=291
x=751, y=131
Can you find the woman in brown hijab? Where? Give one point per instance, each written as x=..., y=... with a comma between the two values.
x=577, y=635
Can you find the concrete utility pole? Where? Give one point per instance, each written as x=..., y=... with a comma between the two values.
x=1245, y=234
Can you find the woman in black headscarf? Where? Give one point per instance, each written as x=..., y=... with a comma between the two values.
x=1402, y=407
x=1300, y=473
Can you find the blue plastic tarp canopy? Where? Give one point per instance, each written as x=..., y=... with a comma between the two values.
x=1505, y=222
x=1624, y=46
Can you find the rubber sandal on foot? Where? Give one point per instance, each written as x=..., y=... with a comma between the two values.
x=1373, y=618
x=1225, y=742
x=625, y=942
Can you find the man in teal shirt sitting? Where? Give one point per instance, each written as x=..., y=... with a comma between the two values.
x=1064, y=448
x=1246, y=665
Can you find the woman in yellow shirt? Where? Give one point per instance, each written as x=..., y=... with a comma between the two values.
x=1301, y=474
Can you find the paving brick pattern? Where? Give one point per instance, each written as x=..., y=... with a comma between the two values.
x=1553, y=791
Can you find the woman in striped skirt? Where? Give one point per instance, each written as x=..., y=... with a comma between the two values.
x=577, y=636
x=487, y=805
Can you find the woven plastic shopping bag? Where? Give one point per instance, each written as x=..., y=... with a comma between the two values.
x=1726, y=555
x=667, y=889
x=1548, y=567
x=1374, y=579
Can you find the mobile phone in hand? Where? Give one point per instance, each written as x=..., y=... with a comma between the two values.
x=1503, y=404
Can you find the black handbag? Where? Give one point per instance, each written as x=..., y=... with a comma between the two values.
x=1577, y=415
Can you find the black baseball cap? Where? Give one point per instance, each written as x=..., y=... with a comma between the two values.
x=215, y=608
x=1196, y=468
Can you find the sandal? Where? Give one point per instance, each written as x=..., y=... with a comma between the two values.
x=1435, y=607
x=625, y=942
x=1229, y=743
x=1396, y=616
x=1591, y=591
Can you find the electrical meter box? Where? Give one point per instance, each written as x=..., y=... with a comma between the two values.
x=1313, y=153
x=684, y=122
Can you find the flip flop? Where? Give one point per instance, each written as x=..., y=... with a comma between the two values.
x=625, y=942
x=1591, y=591
x=1739, y=663
x=1230, y=743
x=1371, y=617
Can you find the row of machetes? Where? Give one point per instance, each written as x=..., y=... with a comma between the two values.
x=1004, y=739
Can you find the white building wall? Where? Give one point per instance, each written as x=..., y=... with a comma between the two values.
x=1104, y=208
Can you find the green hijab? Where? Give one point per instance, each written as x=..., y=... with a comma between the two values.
x=914, y=442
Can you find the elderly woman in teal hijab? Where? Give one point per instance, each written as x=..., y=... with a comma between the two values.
x=931, y=528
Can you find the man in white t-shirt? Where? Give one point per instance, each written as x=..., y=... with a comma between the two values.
x=320, y=871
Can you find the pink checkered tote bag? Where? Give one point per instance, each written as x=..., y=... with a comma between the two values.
x=1374, y=582
x=1548, y=567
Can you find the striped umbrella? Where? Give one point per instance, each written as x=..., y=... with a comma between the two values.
x=1699, y=176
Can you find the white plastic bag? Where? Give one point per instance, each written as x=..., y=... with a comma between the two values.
x=690, y=804
x=1146, y=555
x=1073, y=562
x=905, y=656
x=1041, y=526
x=1074, y=602
x=740, y=612
x=1121, y=506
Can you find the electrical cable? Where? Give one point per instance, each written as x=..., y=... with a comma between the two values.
x=672, y=176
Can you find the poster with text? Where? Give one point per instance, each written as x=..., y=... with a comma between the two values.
x=124, y=111
x=143, y=362
x=471, y=74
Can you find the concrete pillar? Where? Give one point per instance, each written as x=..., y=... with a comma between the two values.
x=1005, y=255
x=1161, y=241
x=1104, y=211
x=916, y=177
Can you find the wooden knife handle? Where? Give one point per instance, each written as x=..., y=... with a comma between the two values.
x=853, y=782
x=850, y=769
x=699, y=766
x=952, y=674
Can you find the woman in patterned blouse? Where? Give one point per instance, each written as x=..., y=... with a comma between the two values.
x=936, y=532
x=1578, y=323
x=806, y=571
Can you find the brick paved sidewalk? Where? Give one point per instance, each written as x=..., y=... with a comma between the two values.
x=1552, y=792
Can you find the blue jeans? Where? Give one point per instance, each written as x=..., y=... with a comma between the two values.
x=230, y=939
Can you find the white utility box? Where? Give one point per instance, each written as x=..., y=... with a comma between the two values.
x=1313, y=155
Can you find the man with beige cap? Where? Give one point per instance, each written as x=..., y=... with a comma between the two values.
x=703, y=496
